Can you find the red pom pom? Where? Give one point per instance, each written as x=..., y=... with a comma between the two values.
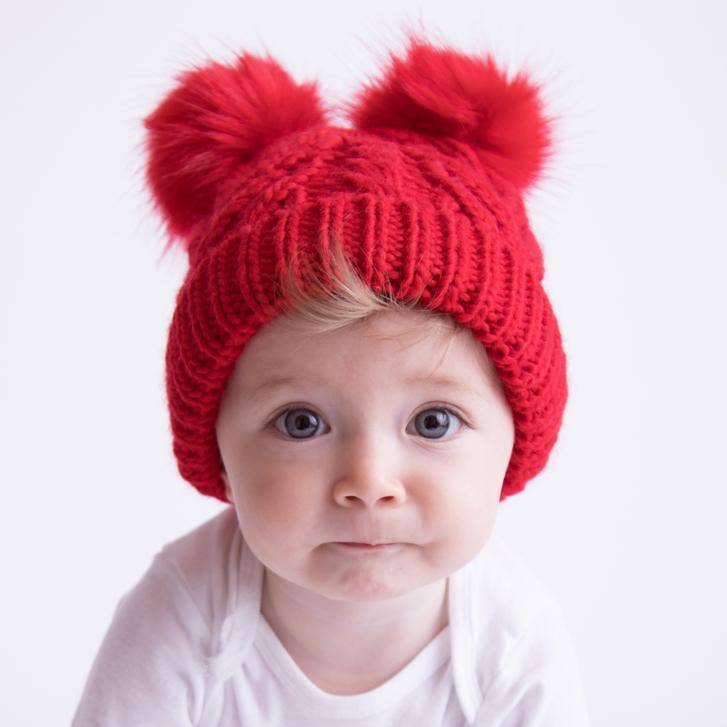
x=442, y=92
x=217, y=118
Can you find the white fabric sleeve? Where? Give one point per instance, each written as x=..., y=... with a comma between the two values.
x=149, y=670
x=539, y=684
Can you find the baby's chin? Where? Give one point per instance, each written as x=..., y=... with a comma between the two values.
x=364, y=592
x=357, y=576
x=369, y=582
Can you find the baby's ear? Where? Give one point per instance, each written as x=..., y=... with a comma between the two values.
x=228, y=490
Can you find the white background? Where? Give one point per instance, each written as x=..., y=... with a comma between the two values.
x=627, y=522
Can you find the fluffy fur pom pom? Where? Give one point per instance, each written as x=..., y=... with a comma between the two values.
x=442, y=92
x=215, y=119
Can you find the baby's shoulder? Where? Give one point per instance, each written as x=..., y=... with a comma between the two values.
x=513, y=589
x=524, y=658
x=499, y=609
x=507, y=599
x=204, y=546
x=208, y=564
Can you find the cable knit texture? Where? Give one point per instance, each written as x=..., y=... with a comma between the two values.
x=424, y=190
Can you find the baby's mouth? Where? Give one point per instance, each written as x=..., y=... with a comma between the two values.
x=367, y=546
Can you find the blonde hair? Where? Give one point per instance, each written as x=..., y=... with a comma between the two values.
x=346, y=300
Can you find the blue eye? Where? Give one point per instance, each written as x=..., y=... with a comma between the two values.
x=302, y=423
x=434, y=423
x=298, y=423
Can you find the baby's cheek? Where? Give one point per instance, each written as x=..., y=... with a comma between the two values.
x=271, y=502
x=467, y=522
x=269, y=524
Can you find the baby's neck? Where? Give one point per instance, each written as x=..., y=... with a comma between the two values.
x=349, y=648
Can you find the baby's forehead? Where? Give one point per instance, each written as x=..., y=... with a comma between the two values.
x=397, y=342
x=392, y=332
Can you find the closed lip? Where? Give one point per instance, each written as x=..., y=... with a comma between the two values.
x=365, y=545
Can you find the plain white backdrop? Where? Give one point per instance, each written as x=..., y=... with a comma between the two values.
x=626, y=523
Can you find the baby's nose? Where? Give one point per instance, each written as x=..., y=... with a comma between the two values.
x=356, y=492
x=369, y=479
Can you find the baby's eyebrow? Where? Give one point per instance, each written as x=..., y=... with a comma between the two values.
x=443, y=381
x=278, y=382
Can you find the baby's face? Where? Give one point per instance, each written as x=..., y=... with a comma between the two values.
x=364, y=443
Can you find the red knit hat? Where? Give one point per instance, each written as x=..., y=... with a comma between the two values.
x=424, y=191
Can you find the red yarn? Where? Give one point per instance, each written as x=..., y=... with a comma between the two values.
x=441, y=92
x=215, y=120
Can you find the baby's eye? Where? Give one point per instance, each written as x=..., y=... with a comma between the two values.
x=434, y=423
x=302, y=423
x=298, y=423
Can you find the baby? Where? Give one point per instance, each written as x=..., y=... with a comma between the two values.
x=363, y=363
